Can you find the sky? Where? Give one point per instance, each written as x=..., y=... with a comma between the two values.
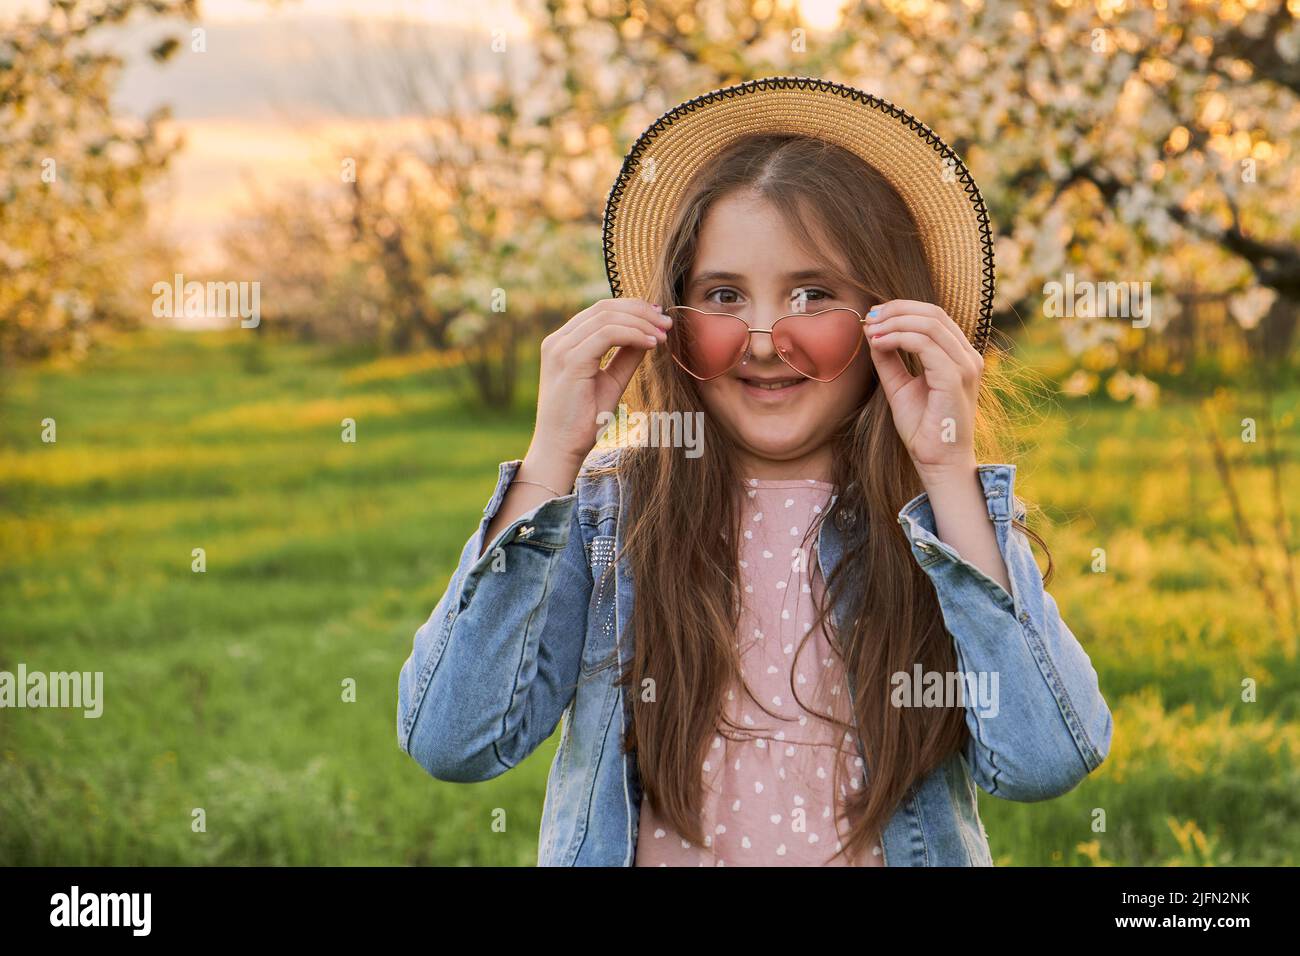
x=817, y=13
x=438, y=11
x=271, y=97
x=279, y=85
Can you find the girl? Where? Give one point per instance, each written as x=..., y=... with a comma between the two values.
x=837, y=627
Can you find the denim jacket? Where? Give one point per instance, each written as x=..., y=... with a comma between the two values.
x=528, y=637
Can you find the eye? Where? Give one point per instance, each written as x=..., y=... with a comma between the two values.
x=812, y=293
x=725, y=290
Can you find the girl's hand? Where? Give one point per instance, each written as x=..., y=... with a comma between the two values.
x=934, y=412
x=574, y=389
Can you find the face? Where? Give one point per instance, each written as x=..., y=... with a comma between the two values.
x=782, y=421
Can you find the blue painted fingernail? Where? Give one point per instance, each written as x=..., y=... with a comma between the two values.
x=872, y=314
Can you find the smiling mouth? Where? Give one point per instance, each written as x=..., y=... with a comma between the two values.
x=773, y=384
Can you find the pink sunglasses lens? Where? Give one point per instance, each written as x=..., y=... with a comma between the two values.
x=706, y=344
x=820, y=345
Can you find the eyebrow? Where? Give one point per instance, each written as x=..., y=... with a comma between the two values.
x=717, y=275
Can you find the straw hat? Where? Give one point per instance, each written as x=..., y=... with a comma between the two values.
x=926, y=173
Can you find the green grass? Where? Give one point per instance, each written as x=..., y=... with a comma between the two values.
x=224, y=689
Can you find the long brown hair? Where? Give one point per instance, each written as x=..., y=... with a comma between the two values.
x=684, y=513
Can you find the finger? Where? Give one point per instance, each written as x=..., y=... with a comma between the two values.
x=653, y=323
x=939, y=366
x=580, y=344
x=948, y=338
x=619, y=304
x=890, y=370
x=967, y=345
x=590, y=351
x=904, y=306
x=949, y=323
x=897, y=306
x=610, y=310
x=623, y=365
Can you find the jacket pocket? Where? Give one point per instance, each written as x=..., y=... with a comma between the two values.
x=609, y=661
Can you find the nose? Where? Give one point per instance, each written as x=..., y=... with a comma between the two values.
x=761, y=346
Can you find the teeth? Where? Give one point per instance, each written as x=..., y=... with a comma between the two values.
x=772, y=386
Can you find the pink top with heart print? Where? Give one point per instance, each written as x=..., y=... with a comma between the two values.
x=769, y=797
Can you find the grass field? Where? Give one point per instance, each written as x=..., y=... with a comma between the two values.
x=223, y=690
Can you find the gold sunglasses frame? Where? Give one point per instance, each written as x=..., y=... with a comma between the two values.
x=749, y=331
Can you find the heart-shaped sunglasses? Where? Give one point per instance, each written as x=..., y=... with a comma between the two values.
x=817, y=345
